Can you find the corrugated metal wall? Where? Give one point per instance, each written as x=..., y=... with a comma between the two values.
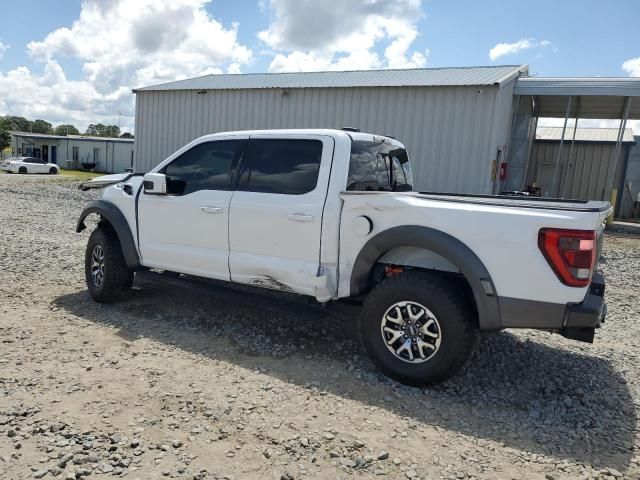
x=451, y=132
x=583, y=176
x=113, y=156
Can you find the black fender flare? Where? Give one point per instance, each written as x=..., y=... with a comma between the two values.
x=441, y=243
x=110, y=213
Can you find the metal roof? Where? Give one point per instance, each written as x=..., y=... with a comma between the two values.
x=597, y=86
x=584, y=134
x=415, y=77
x=70, y=137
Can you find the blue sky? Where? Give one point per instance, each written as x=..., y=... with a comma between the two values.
x=72, y=61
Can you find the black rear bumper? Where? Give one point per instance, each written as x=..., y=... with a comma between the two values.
x=583, y=318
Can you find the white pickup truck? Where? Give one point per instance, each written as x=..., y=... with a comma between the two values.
x=331, y=214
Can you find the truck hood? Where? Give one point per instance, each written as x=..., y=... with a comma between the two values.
x=105, y=181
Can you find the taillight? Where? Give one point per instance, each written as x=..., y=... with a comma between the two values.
x=571, y=254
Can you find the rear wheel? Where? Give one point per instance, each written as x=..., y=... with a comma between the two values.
x=417, y=329
x=53, y=171
x=107, y=275
x=22, y=170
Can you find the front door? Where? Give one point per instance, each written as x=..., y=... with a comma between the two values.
x=186, y=230
x=276, y=212
x=54, y=154
x=45, y=153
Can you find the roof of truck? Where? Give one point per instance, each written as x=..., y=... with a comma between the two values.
x=364, y=136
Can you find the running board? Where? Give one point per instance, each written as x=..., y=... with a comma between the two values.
x=246, y=295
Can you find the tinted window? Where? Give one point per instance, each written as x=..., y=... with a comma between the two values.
x=281, y=166
x=378, y=166
x=205, y=167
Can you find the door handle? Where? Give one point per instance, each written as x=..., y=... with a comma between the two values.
x=211, y=209
x=300, y=217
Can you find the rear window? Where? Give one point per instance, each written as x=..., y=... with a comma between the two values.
x=378, y=166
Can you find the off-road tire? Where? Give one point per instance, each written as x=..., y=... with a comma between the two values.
x=22, y=170
x=456, y=323
x=117, y=278
x=53, y=171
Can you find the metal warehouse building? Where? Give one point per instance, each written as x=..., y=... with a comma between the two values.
x=448, y=115
x=467, y=129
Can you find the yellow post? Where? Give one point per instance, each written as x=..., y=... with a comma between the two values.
x=612, y=201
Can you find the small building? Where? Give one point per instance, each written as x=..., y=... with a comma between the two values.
x=629, y=194
x=73, y=151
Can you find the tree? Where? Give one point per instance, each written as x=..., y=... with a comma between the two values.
x=19, y=124
x=126, y=135
x=112, y=131
x=65, y=130
x=41, y=126
x=100, y=130
x=5, y=139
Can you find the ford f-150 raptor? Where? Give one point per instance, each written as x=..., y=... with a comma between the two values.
x=331, y=214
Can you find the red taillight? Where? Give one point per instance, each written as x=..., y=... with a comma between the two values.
x=571, y=254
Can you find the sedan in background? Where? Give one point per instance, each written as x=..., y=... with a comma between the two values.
x=28, y=165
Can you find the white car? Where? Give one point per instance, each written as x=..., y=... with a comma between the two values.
x=331, y=215
x=28, y=165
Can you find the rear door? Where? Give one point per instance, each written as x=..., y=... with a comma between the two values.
x=275, y=219
x=187, y=230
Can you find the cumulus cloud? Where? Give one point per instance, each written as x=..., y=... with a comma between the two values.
x=120, y=44
x=503, y=49
x=632, y=67
x=341, y=34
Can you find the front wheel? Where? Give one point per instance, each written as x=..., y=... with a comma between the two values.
x=417, y=329
x=106, y=272
x=22, y=170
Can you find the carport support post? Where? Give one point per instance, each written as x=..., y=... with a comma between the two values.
x=573, y=141
x=612, y=170
x=558, y=156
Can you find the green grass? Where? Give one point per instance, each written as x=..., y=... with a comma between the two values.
x=80, y=174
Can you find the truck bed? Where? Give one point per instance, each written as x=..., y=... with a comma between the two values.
x=522, y=201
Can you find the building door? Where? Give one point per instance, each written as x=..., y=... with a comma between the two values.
x=45, y=153
x=54, y=154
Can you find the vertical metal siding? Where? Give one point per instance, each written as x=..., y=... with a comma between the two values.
x=583, y=176
x=447, y=130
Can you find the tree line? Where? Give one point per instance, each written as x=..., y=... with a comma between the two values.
x=21, y=124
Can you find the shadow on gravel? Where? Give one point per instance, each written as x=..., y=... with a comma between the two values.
x=524, y=394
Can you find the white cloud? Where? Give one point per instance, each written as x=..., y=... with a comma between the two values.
x=309, y=35
x=3, y=48
x=632, y=67
x=120, y=44
x=502, y=49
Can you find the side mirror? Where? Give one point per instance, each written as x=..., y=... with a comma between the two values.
x=155, y=184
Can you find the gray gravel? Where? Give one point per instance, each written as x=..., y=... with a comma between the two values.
x=175, y=384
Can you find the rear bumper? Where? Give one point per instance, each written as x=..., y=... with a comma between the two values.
x=564, y=318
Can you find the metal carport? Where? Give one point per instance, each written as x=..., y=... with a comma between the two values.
x=575, y=98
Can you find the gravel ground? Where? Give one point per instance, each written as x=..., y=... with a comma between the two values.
x=176, y=384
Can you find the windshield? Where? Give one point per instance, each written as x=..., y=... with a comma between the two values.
x=378, y=166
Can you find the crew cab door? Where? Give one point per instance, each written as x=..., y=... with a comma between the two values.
x=275, y=220
x=186, y=230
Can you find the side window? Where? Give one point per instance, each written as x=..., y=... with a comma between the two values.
x=281, y=166
x=205, y=167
